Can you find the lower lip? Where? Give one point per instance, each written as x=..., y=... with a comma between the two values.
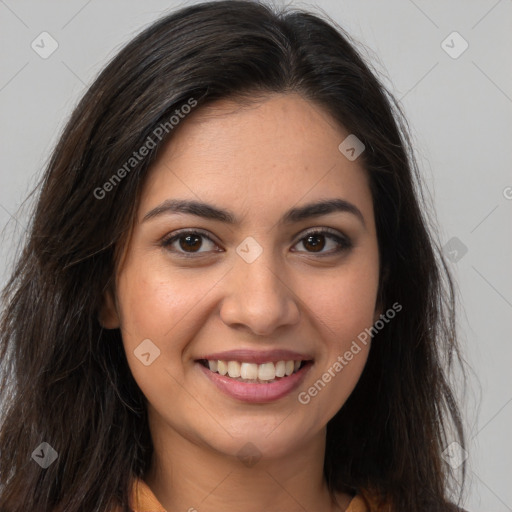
x=253, y=392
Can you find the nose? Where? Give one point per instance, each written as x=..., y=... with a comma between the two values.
x=258, y=298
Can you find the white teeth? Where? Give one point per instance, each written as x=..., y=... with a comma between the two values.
x=249, y=371
x=234, y=369
x=253, y=372
x=280, y=369
x=222, y=367
x=266, y=371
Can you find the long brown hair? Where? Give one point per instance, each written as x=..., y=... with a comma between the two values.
x=65, y=380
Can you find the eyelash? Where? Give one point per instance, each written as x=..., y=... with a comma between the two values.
x=344, y=243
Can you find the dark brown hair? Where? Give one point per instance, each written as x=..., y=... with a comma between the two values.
x=65, y=379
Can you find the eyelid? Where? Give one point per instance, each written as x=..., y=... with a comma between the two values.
x=182, y=231
x=321, y=230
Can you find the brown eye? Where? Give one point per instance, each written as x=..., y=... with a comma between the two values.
x=316, y=241
x=187, y=243
x=192, y=242
x=312, y=241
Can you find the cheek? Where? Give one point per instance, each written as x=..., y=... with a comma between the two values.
x=153, y=303
x=164, y=306
x=342, y=306
x=153, y=307
x=343, y=303
x=342, y=361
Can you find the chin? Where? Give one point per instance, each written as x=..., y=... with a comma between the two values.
x=261, y=439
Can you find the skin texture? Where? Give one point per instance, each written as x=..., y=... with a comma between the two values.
x=257, y=161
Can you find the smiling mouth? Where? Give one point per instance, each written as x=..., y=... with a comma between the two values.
x=254, y=373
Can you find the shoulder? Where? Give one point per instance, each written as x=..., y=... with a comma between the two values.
x=142, y=498
x=365, y=502
x=358, y=504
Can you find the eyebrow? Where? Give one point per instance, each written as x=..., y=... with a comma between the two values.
x=294, y=215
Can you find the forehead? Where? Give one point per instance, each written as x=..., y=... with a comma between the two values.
x=262, y=157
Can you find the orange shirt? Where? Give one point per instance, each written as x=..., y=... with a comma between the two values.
x=144, y=500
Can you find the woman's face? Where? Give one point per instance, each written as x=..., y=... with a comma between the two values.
x=261, y=286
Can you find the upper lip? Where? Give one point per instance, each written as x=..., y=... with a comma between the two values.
x=257, y=356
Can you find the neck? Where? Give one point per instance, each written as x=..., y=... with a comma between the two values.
x=187, y=475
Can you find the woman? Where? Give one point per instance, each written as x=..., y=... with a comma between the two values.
x=229, y=297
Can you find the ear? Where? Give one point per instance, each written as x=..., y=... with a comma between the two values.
x=108, y=315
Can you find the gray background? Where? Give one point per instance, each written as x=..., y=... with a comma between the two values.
x=460, y=113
